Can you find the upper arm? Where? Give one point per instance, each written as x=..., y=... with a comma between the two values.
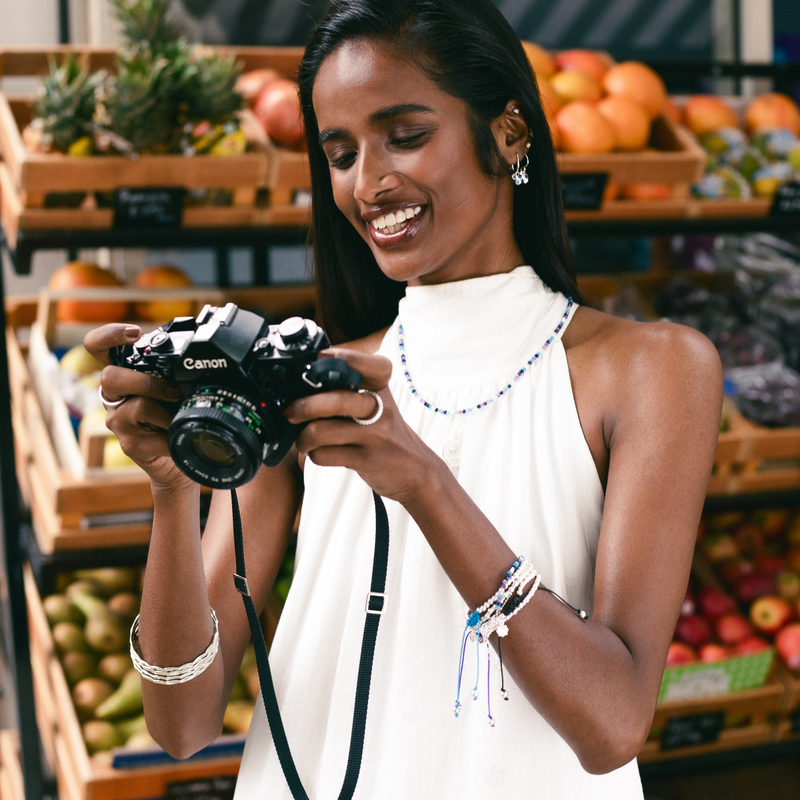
x=661, y=428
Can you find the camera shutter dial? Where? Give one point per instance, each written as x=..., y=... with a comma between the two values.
x=294, y=331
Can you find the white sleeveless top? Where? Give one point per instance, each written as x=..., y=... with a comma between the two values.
x=524, y=461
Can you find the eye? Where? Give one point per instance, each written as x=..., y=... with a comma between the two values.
x=340, y=158
x=409, y=139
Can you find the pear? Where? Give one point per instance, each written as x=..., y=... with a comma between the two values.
x=100, y=735
x=88, y=694
x=112, y=579
x=126, y=700
x=68, y=636
x=78, y=665
x=59, y=608
x=238, y=715
x=114, y=666
x=79, y=361
x=104, y=630
x=126, y=604
x=129, y=726
x=84, y=586
x=141, y=741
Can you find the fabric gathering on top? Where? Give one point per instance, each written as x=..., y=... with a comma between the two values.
x=524, y=461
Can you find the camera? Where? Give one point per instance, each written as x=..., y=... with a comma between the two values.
x=237, y=374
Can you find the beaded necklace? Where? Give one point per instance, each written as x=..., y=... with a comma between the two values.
x=508, y=386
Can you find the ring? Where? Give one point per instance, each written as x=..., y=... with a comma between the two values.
x=377, y=415
x=110, y=403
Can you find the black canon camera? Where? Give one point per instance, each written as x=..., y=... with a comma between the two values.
x=237, y=374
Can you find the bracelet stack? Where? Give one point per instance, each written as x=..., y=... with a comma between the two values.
x=514, y=594
x=169, y=676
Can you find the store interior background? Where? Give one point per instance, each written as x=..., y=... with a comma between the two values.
x=648, y=30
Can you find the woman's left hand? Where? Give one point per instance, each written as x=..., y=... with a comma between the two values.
x=388, y=455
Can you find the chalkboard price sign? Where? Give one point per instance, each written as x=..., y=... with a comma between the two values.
x=149, y=208
x=583, y=191
x=787, y=200
x=692, y=730
x=220, y=788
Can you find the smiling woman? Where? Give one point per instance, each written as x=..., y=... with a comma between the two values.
x=543, y=465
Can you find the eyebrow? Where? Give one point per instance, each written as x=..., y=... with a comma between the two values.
x=381, y=115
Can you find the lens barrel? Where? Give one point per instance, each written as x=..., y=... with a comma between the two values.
x=216, y=438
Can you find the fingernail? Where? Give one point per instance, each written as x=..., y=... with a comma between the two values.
x=132, y=331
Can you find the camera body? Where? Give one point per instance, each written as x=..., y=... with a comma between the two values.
x=237, y=374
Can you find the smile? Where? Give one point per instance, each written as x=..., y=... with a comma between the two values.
x=392, y=223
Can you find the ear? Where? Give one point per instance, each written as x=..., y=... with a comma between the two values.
x=511, y=132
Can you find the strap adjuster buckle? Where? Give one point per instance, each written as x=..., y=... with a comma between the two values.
x=241, y=584
x=381, y=597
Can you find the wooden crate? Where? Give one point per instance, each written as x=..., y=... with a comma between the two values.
x=789, y=723
x=67, y=495
x=26, y=178
x=12, y=785
x=750, y=719
x=79, y=776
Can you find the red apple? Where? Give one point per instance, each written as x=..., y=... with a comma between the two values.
x=732, y=628
x=770, y=613
x=693, y=630
x=768, y=562
x=750, y=645
x=718, y=546
x=712, y=652
x=787, y=643
x=715, y=602
x=788, y=583
x=755, y=585
x=680, y=653
x=689, y=606
x=732, y=569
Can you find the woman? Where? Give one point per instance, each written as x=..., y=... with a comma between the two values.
x=510, y=421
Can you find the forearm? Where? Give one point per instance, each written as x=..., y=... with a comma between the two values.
x=579, y=675
x=176, y=626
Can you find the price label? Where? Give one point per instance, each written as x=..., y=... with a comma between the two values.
x=583, y=191
x=148, y=208
x=692, y=730
x=787, y=200
x=220, y=788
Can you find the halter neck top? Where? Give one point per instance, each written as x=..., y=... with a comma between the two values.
x=522, y=457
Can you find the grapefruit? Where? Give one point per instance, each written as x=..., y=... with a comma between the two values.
x=576, y=86
x=584, y=129
x=772, y=110
x=551, y=100
x=589, y=62
x=629, y=120
x=637, y=81
x=541, y=61
x=77, y=274
x=163, y=276
x=705, y=113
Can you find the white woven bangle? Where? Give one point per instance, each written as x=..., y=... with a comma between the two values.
x=169, y=676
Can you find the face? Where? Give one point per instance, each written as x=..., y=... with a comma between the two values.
x=405, y=171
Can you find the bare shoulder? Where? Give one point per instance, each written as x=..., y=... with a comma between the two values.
x=367, y=344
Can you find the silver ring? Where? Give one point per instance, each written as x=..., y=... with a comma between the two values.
x=110, y=403
x=377, y=415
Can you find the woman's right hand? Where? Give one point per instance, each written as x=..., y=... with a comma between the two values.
x=140, y=423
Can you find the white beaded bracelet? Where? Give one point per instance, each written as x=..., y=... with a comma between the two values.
x=169, y=676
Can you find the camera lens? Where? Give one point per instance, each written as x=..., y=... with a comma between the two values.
x=217, y=438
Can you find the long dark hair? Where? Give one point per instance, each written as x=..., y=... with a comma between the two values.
x=468, y=49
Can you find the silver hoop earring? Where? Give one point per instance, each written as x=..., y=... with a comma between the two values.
x=519, y=172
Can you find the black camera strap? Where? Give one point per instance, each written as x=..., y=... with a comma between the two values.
x=375, y=604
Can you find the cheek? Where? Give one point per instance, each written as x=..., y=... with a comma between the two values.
x=343, y=196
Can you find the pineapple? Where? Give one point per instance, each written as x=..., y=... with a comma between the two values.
x=208, y=92
x=66, y=106
x=145, y=22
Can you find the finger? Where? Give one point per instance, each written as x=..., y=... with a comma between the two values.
x=325, y=433
x=100, y=340
x=337, y=403
x=375, y=370
x=119, y=382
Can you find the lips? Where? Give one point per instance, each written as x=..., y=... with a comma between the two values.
x=395, y=226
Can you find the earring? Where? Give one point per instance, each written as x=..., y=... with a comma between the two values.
x=519, y=173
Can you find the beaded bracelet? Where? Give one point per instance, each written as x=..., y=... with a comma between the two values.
x=169, y=676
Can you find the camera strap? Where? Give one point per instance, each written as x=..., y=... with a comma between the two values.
x=375, y=604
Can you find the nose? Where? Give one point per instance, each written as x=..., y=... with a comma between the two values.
x=374, y=175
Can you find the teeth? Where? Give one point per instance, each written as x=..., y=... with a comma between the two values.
x=391, y=223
